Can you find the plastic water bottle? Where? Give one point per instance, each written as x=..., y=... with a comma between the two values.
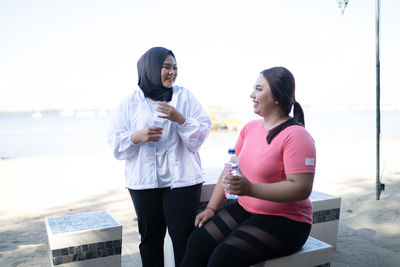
x=157, y=121
x=162, y=123
x=231, y=168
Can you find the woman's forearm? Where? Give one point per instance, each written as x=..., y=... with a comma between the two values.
x=297, y=187
x=218, y=195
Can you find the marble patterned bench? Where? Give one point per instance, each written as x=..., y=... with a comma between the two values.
x=84, y=240
x=326, y=211
x=314, y=253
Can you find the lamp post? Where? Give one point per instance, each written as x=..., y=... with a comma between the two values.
x=342, y=5
x=379, y=186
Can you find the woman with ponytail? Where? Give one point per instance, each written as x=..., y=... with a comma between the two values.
x=273, y=214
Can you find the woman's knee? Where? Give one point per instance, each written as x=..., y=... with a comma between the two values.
x=227, y=255
x=196, y=238
x=199, y=247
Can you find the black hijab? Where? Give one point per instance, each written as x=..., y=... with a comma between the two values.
x=149, y=72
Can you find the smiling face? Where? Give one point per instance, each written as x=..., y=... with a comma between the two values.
x=263, y=101
x=169, y=71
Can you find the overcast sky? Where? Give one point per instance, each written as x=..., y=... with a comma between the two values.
x=61, y=54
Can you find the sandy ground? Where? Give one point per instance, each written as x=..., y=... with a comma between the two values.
x=38, y=187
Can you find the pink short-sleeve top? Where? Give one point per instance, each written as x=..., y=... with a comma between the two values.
x=291, y=151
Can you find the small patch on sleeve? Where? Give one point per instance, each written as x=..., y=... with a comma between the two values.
x=310, y=161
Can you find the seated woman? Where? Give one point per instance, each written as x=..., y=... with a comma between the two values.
x=273, y=214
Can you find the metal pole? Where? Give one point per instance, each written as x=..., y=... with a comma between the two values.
x=379, y=187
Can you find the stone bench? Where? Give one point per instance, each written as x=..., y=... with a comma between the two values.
x=314, y=253
x=326, y=210
x=84, y=240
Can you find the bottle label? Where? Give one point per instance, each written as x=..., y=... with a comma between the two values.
x=227, y=169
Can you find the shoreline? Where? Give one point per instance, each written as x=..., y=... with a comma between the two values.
x=337, y=159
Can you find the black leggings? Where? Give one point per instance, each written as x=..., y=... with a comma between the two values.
x=235, y=237
x=158, y=208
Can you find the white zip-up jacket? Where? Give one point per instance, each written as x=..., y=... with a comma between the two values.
x=134, y=114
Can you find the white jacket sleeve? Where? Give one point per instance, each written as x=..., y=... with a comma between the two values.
x=197, y=126
x=119, y=134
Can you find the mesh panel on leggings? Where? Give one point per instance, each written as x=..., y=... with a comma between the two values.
x=228, y=219
x=253, y=240
x=224, y=224
x=214, y=231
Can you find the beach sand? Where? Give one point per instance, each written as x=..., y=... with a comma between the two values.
x=34, y=188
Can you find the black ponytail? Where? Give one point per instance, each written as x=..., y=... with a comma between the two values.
x=298, y=113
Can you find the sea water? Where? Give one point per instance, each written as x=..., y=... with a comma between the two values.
x=23, y=135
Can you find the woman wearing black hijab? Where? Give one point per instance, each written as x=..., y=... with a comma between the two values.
x=158, y=131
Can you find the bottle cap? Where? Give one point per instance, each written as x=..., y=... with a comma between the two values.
x=231, y=151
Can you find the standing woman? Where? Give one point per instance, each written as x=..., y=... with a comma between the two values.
x=158, y=131
x=273, y=214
